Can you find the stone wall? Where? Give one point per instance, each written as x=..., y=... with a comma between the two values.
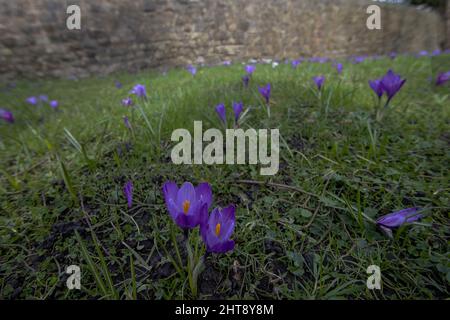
x=136, y=34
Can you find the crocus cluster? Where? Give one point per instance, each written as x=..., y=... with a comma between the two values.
x=188, y=207
x=389, y=84
x=237, y=110
x=42, y=99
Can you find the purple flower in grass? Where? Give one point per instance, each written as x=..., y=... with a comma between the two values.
x=391, y=83
x=221, y=112
x=127, y=102
x=358, y=60
x=245, y=80
x=118, y=84
x=127, y=123
x=376, y=87
x=6, y=115
x=436, y=52
x=227, y=63
x=192, y=70
x=187, y=205
x=139, y=90
x=43, y=98
x=54, y=104
x=128, y=192
x=339, y=67
x=398, y=218
x=265, y=92
x=319, y=81
x=250, y=69
x=295, y=63
x=237, y=109
x=217, y=229
x=442, y=78
x=32, y=100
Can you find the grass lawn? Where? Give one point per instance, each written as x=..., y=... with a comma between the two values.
x=307, y=232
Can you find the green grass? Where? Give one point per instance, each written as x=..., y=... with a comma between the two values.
x=304, y=233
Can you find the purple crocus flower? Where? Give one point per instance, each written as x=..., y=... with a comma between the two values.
x=398, y=218
x=54, y=104
x=391, y=83
x=187, y=205
x=319, y=80
x=127, y=102
x=43, y=98
x=118, y=84
x=128, y=192
x=217, y=229
x=423, y=53
x=192, y=70
x=220, y=109
x=358, y=60
x=6, y=115
x=436, y=52
x=265, y=92
x=339, y=67
x=246, y=80
x=295, y=63
x=227, y=63
x=139, y=90
x=127, y=123
x=443, y=78
x=237, y=109
x=250, y=69
x=393, y=55
x=376, y=87
x=32, y=100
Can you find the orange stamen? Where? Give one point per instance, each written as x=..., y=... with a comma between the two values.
x=217, y=229
x=186, y=205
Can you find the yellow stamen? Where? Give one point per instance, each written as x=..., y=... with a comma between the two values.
x=186, y=205
x=217, y=229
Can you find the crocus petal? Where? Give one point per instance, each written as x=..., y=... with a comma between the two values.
x=375, y=85
x=173, y=209
x=222, y=247
x=170, y=191
x=228, y=219
x=128, y=191
x=186, y=193
x=398, y=218
x=203, y=193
